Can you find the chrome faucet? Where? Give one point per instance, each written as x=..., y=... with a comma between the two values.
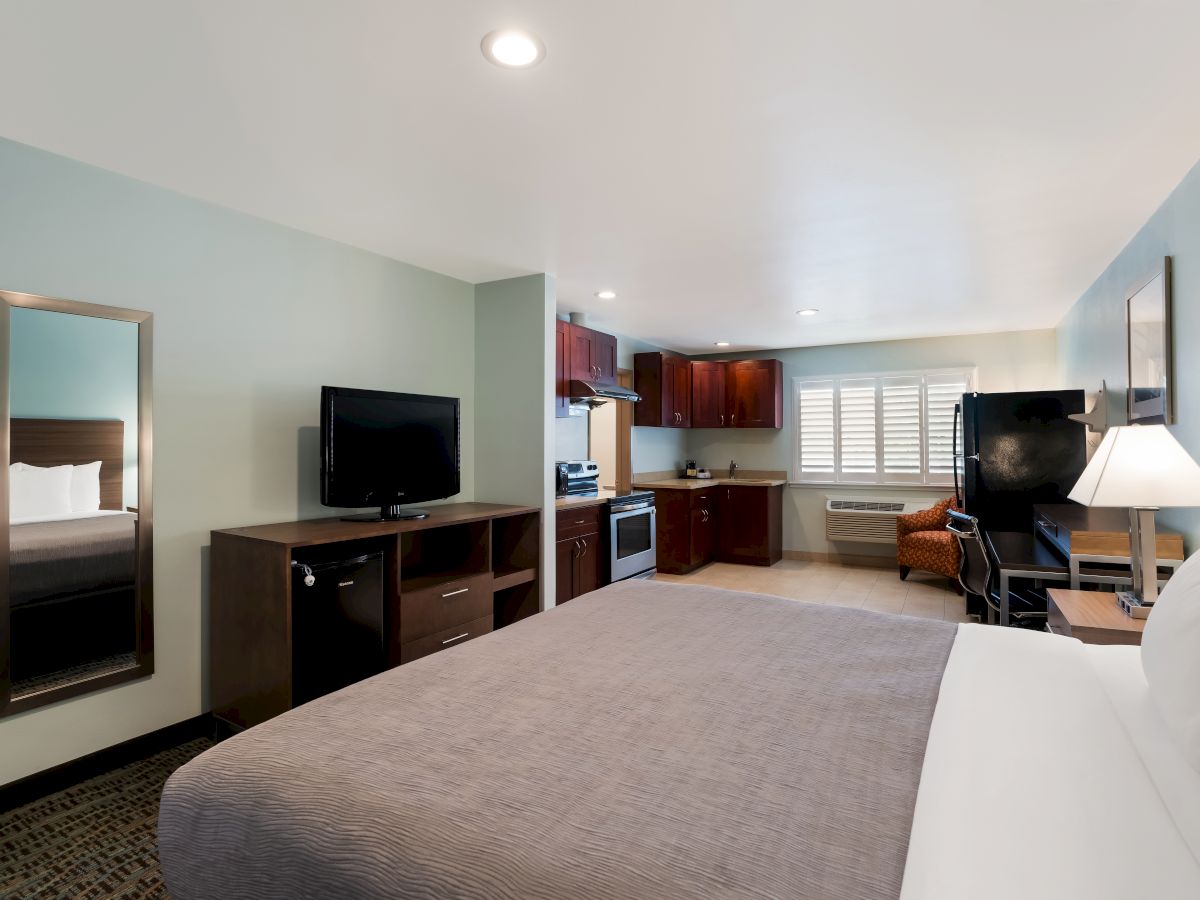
x=732, y=469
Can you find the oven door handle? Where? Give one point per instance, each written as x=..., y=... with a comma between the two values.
x=631, y=507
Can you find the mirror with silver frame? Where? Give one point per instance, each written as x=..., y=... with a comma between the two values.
x=76, y=548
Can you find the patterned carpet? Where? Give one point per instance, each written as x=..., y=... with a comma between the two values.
x=95, y=840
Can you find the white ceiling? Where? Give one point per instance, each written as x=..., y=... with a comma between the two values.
x=920, y=168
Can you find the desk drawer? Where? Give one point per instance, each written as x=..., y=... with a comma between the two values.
x=444, y=640
x=443, y=606
x=573, y=523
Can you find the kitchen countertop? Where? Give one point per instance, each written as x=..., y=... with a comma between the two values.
x=695, y=484
x=597, y=499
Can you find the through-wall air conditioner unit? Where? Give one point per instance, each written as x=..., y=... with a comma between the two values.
x=868, y=519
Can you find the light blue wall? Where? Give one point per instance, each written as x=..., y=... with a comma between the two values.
x=250, y=319
x=76, y=367
x=1091, y=337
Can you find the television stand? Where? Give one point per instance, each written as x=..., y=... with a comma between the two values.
x=468, y=569
x=389, y=514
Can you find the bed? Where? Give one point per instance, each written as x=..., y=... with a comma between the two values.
x=656, y=740
x=72, y=576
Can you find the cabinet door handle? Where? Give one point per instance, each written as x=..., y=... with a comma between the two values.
x=577, y=553
x=458, y=637
x=455, y=593
x=722, y=420
x=581, y=521
x=584, y=553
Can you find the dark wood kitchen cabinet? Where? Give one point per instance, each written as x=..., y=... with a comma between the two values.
x=593, y=355
x=664, y=382
x=562, y=369
x=578, y=552
x=750, y=529
x=687, y=529
x=754, y=393
x=708, y=394
x=580, y=354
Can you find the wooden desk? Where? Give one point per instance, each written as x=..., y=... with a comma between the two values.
x=1091, y=616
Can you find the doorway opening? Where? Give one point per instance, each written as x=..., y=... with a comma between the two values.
x=610, y=440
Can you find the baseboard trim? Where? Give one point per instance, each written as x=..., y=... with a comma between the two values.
x=842, y=559
x=41, y=784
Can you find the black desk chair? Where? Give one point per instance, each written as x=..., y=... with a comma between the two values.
x=1026, y=608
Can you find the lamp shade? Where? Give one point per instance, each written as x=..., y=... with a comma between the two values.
x=1139, y=465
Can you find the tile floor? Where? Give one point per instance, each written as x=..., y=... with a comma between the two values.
x=922, y=594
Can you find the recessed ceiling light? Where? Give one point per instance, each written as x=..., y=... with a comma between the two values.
x=607, y=295
x=721, y=344
x=807, y=312
x=513, y=48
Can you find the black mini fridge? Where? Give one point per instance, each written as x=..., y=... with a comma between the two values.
x=1019, y=449
x=338, y=624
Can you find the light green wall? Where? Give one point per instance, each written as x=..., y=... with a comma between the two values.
x=514, y=389
x=250, y=319
x=76, y=367
x=1091, y=337
x=1011, y=361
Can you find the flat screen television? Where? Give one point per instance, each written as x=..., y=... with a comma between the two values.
x=386, y=450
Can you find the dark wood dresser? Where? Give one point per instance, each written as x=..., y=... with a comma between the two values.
x=465, y=570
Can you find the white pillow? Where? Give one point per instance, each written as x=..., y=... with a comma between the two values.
x=1171, y=657
x=34, y=491
x=85, y=487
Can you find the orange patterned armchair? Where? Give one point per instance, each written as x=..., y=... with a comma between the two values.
x=922, y=542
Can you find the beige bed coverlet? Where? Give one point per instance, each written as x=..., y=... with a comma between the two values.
x=644, y=741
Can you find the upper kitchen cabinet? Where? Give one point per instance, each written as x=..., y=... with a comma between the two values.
x=581, y=354
x=708, y=394
x=754, y=393
x=593, y=355
x=664, y=382
x=562, y=369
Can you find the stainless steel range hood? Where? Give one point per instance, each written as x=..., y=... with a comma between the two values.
x=587, y=390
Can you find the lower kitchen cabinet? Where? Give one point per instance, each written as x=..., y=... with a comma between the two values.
x=687, y=529
x=751, y=524
x=578, y=552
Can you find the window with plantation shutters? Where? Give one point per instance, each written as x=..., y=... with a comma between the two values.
x=878, y=429
x=816, y=441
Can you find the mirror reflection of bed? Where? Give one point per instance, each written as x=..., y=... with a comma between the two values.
x=72, y=553
x=76, y=586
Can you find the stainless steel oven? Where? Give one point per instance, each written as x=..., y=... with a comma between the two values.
x=631, y=536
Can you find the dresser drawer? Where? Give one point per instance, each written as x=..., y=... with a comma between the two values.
x=573, y=523
x=443, y=640
x=443, y=606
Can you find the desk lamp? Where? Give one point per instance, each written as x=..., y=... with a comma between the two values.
x=1144, y=468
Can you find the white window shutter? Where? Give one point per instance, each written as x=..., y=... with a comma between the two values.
x=941, y=393
x=901, y=422
x=815, y=418
x=857, y=448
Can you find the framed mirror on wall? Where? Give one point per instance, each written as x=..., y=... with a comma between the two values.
x=76, y=544
x=1148, y=341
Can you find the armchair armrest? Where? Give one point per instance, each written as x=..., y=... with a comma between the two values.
x=932, y=519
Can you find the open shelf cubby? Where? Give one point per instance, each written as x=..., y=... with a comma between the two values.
x=516, y=544
x=442, y=554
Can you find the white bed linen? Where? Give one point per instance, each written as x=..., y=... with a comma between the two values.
x=1032, y=786
x=66, y=517
x=1120, y=671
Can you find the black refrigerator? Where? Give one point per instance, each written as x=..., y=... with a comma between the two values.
x=1019, y=449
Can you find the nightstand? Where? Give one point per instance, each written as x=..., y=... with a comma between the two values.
x=1091, y=616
